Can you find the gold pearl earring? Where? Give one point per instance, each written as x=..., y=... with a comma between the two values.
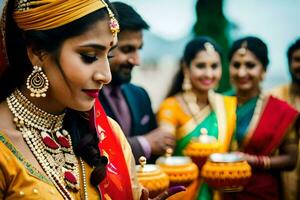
x=37, y=82
x=186, y=85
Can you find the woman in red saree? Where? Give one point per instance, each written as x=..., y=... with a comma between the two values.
x=266, y=126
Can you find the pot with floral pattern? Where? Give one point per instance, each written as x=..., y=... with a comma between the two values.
x=152, y=177
x=200, y=148
x=228, y=172
x=180, y=169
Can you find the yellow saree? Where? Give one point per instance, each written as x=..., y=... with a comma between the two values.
x=20, y=180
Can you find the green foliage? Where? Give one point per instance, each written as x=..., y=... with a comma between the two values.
x=212, y=22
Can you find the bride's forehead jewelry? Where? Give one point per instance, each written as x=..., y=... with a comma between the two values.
x=113, y=22
x=209, y=48
x=243, y=49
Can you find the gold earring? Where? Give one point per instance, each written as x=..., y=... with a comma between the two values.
x=263, y=76
x=186, y=85
x=37, y=82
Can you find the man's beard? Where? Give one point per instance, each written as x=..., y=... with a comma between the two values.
x=123, y=75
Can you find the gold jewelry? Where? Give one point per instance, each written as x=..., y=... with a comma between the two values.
x=243, y=50
x=113, y=22
x=49, y=143
x=37, y=83
x=190, y=100
x=86, y=197
x=209, y=48
x=186, y=85
x=266, y=161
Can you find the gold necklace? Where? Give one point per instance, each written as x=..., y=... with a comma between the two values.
x=50, y=144
x=190, y=100
x=294, y=101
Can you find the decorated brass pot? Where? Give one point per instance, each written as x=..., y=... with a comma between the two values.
x=152, y=177
x=180, y=169
x=228, y=172
x=200, y=149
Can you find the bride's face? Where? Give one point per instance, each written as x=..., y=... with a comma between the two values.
x=81, y=68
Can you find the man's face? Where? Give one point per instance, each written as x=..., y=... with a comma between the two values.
x=126, y=56
x=295, y=66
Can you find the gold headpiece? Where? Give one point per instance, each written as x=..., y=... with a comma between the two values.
x=113, y=23
x=243, y=50
x=209, y=48
x=49, y=14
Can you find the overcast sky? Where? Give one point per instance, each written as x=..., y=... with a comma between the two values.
x=275, y=21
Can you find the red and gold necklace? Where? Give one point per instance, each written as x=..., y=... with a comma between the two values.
x=50, y=144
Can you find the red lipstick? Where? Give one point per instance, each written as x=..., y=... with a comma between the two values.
x=92, y=93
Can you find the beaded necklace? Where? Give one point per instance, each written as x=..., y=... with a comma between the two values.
x=50, y=144
x=190, y=99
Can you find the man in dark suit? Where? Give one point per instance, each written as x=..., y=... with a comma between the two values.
x=127, y=103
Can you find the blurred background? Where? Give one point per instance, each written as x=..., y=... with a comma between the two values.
x=174, y=22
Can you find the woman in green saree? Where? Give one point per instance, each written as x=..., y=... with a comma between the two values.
x=192, y=104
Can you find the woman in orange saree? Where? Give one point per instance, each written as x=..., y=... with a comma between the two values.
x=193, y=105
x=266, y=126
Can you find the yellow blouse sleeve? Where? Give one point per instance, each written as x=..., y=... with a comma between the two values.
x=136, y=187
x=167, y=114
x=2, y=180
x=4, y=166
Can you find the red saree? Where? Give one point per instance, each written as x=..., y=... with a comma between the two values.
x=275, y=120
x=117, y=184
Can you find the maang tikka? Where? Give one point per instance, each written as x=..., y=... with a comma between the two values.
x=37, y=82
x=243, y=49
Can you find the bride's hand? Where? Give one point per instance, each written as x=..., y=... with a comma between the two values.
x=169, y=192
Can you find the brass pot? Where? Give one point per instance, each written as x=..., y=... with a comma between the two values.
x=228, y=172
x=180, y=169
x=152, y=177
x=201, y=148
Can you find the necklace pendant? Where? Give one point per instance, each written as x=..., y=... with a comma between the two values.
x=71, y=180
x=63, y=140
x=48, y=141
x=53, y=152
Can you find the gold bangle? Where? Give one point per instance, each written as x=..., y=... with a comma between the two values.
x=267, y=162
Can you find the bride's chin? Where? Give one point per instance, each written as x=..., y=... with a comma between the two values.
x=85, y=107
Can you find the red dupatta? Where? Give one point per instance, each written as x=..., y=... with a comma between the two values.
x=276, y=119
x=117, y=184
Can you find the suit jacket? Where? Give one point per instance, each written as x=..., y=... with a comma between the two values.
x=142, y=116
